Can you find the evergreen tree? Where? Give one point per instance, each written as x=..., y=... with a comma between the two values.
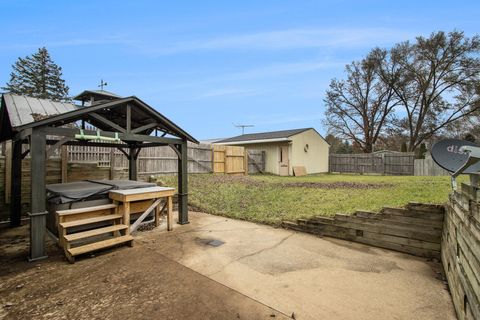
x=420, y=153
x=37, y=76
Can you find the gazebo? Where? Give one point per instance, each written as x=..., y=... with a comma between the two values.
x=128, y=124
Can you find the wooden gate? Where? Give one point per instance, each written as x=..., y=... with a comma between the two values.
x=230, y=160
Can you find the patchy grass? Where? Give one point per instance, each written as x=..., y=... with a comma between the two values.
x=271, y=199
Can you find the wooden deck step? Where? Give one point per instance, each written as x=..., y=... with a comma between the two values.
x=94, y=232
x=86, y=209
x=82, y=222
x=99, y=245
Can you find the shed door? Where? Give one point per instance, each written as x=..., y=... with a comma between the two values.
x=283, y=170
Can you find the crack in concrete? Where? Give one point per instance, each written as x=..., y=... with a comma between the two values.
x=252, y=254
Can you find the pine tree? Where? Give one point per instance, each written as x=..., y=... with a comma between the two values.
x=37, y=76
x=420, y=153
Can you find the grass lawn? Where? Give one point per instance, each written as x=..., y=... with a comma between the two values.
x=271, y=199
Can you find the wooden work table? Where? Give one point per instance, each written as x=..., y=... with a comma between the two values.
x=150, y=196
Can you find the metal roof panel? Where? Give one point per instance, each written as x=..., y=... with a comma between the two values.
x=21, y=109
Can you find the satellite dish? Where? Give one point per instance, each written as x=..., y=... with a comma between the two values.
x=450, y=155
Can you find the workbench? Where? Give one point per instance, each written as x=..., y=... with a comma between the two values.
x=148, y=198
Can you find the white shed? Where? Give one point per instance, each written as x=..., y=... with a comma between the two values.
x=286, y=149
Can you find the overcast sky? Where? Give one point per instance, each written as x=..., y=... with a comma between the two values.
x=209, y=64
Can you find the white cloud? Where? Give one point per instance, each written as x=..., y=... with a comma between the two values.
x=287, y=118
x=281, y=69
x=228, y=92
x=288, y=39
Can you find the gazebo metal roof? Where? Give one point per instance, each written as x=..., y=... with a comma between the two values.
x=18, y=113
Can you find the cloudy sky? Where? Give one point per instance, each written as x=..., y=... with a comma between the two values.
x=210, y=64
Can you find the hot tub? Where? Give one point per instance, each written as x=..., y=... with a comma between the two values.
x=82, y=194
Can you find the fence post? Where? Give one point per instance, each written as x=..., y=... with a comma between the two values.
x=384, y=164
x=64, y=163
x=245, y=161
x=8, y=170
x=225, y=160
x=112, y=163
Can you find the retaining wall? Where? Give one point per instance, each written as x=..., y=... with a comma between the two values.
x=450, y=233
x=416, y=229
x=461, y=250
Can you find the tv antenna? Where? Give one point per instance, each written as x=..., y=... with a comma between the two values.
x=243, y=126
x=457, y=157
x=102, y=84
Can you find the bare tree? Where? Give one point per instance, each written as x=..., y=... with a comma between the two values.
x=436, y=80
x=360, y=107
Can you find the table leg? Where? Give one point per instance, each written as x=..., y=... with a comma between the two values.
x=126, y=216
x=157, y=216
x=169, y=213
x=115, y=211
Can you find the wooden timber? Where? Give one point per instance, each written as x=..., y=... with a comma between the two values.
x=461, y=250
x=407, y=230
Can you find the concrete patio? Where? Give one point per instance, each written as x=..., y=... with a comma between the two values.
x=312, y=277
x=219, y=268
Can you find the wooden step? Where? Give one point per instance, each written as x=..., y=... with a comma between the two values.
x=94, y=232
x=86, y=209
x=90, y=220
x=99, y=245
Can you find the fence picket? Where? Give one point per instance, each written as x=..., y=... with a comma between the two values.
x=388, y=164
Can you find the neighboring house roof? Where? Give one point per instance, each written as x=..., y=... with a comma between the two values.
x=23, y=110
x=210, y=141
x=264, y=137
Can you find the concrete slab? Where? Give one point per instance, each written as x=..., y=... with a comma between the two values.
x=314, y=278
x=121, y=283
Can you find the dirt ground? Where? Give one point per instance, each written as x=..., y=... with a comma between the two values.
x=220, y=268
x=127, y=283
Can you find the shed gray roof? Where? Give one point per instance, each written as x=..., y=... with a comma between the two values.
x=264, y=135
x=23, y=110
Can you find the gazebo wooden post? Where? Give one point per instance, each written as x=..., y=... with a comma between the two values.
x=132, y=163
x=38, y=194
x=183, y=183
x=16, y=184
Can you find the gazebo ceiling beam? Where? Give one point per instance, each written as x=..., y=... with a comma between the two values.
x=107, y=122
x=145, y=127
x=88, y=144
x=127, y=137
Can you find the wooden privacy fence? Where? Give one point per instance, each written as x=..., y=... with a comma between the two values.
x=75, y=163
x=388, y=164
x=230, y=160
x=428, y=167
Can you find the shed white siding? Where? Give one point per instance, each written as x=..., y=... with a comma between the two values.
x=315, y=160
x=272, y=154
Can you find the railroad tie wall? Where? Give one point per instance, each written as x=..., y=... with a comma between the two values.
x=461, y=250
x=415, y=229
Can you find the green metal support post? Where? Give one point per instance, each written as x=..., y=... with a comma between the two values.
x=38, y=195
x=182, y=183
x=132, y=164
x=16, y=184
